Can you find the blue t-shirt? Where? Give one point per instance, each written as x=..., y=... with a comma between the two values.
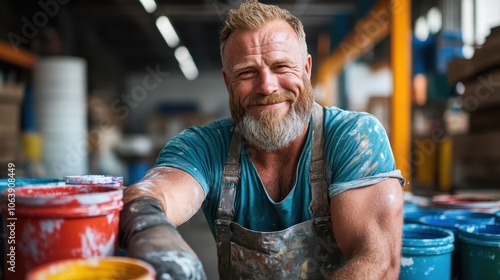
x=357, y=153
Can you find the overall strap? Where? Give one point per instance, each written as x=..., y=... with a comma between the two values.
x=225, y=212
x=230, y=178
x=317, y=174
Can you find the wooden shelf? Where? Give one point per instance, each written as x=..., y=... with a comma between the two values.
x=18, y=57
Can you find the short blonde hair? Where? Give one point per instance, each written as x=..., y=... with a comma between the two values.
x=253, y=15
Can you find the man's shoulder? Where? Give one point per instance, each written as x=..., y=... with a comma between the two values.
x=340, y=118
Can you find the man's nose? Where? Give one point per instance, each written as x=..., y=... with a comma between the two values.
x=268, y=82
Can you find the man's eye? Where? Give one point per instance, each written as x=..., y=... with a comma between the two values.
x=246, y=73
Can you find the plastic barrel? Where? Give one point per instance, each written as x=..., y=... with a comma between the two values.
x=426, y=253
x=52, y=223
x=480, y=251
x=452, y=223
x=107, y=268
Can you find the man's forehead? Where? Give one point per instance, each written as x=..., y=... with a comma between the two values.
x=277, y=31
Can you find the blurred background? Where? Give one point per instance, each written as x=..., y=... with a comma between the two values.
x=100, y=86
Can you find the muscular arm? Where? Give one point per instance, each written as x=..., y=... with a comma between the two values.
x=367, y=223
x=180, y=194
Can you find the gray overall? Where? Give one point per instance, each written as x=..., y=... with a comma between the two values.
x=307, y=250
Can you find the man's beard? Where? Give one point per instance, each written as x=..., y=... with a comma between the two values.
x=268, y=130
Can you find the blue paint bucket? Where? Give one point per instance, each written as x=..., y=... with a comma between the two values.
x=413, y=216
x=480, y=251
x=471, y=216
x=426, y=253
x=497, y=217
x=452, y=223
x=409, y=206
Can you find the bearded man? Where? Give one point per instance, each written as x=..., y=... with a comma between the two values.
x=290, y=189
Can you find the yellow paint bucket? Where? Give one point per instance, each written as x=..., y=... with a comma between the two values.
x=107, y=268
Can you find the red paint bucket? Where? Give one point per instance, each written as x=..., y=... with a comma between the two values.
x=476, y=203
x=49, y=223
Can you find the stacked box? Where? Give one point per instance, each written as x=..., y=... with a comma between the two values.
x=477, y=154
x=10, y=113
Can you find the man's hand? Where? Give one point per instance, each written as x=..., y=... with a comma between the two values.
x=146, y=234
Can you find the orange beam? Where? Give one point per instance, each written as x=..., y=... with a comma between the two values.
x=401, y=99
x=18, y=57
x=367, y=32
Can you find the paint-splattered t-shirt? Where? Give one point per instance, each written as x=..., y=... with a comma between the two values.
x=357, y=153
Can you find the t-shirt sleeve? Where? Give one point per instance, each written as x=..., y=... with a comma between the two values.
x=358, y=153
x=196, y=151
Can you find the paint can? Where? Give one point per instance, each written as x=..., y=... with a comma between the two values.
x=106, y=268
x=5, y=183
x=452, y=223
x=413, y=216
x=94, y=180
x=480, y=251
x=49, y=223
x=426, y=253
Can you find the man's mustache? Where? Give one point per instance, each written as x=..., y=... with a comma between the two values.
x=269, y=99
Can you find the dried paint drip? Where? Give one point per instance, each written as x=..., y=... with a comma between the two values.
x=94, y=180
x=107, y=268
x=60, y=222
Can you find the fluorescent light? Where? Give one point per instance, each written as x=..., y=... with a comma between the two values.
x=186, y=63
x=189, y=69
x=167, y=31
x=149, y=5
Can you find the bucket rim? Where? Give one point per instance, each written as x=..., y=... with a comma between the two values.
x=472, y=231
x=32, y=195
x=443, y=242
x=452, y=223
x=92, y=179
x=441, y=236
x=28, y=181
x=44, y=270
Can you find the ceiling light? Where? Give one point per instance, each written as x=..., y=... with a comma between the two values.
x=186, y=63
x=149, y=5
x=434, y=20
x=182, y=53
x=421, y=29
x=167, y=31
x=189, y=69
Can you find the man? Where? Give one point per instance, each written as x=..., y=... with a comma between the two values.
x=289, y=188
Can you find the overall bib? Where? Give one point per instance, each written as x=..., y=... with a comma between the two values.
x=307, y=250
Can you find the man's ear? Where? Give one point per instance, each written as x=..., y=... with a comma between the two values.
x=308, y=65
